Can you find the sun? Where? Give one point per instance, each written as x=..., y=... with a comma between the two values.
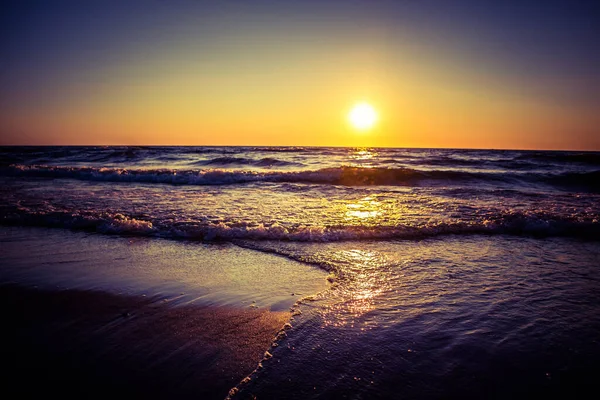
x=362, y=116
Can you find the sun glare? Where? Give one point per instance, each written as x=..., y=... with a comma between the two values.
x=362, y=116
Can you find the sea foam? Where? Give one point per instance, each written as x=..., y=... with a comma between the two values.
x=344, y=175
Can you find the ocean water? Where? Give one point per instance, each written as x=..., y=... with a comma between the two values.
x=455, y=273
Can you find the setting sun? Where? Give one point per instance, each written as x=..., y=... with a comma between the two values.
x=362, y=116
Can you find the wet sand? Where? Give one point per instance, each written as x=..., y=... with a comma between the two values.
x=89, y=343
x=89, y=316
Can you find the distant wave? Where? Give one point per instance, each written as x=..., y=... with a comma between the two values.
x=106, y=156
x=519, y=163
x=285, y=149
x=575, y=179
x=592, y=158
x=211, y=150
x=446, y=161
x=263, y=162
x=511, y=223
x=347, y=176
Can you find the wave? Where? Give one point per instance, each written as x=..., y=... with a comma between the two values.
x=589, y=179
x=346, y=176
x=211, y=150
x=103, y=223
x=263, y=162
x=447, y=161
x=592, y=158
x=509, y=223
x=514, y=164
x=117, y=155
x=284, y=149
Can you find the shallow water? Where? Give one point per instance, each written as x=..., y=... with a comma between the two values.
x=459, y=317
x=456, y=273
x=219, y=274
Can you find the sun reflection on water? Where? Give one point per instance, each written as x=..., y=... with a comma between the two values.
x=363, y=154
x=364, y=208
x=363, y=157
x=364, y=280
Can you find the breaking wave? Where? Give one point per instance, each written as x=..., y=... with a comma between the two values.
x=346, y=176
x=510, y=223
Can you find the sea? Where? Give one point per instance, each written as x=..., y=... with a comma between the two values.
x=451, y=273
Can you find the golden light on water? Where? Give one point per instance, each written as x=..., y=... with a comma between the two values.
x=362, y=287
x=362, y=155
x=365, y=208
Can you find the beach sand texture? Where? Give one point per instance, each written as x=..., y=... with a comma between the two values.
x=82, y=335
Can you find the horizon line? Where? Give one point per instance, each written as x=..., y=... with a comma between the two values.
x=300, y=146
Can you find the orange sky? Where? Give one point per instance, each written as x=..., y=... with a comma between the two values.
x=274, y=84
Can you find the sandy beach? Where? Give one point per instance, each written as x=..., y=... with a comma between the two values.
x=81, y=335
x=89, y=343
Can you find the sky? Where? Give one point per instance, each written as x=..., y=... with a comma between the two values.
x=448, y=73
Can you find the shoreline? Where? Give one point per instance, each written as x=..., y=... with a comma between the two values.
x=89, y=315
x=92, y=343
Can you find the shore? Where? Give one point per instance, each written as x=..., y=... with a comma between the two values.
x=95, y=316
x=89, y=343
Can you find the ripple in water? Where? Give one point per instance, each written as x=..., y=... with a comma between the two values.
x=478, y=317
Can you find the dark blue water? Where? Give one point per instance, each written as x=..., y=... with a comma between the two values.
x=456, y=273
